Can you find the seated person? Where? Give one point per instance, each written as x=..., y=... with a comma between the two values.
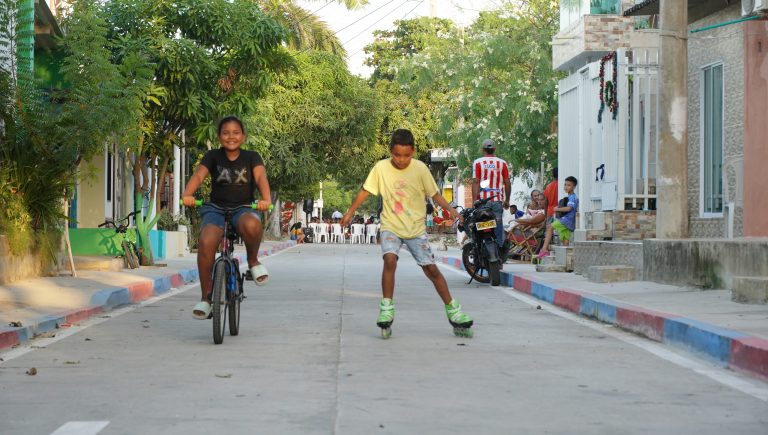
x=534, y=217
x=296, y=233
x=566, y=224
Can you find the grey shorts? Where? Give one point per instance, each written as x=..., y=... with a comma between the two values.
x=419, y=247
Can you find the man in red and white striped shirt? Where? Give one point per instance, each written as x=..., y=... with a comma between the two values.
x=495, y=170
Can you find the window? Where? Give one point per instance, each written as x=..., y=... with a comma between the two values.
x=712, y=139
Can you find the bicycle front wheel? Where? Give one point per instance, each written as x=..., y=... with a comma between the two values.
x=234, y=304
x=218, y=301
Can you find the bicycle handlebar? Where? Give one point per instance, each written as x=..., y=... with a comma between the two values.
x=254, y=206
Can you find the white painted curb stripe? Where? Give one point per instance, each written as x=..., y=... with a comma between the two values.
x=81, y=428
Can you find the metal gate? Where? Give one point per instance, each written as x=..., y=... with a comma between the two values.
x=640, y=78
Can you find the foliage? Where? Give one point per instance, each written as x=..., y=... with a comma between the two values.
x=47, y=135
x=208, y=58
x=317, y=121
x=498, y=83
x=167, y=221
x=408, y=38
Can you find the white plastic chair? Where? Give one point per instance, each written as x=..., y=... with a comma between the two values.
x=321, y=232
x=358, y=233
x=371, y=231
x=337, y=235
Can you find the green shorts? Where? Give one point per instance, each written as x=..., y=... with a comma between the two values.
x=565, y=233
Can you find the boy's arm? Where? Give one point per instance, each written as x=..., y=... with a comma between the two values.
x=439, y=200
x=188, y=198
x=361, y=197
x=260, y=175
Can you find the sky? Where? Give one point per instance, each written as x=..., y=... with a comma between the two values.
x=355, y=27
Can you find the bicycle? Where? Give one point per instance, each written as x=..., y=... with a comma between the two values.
x=130, y=251
x=227, y=292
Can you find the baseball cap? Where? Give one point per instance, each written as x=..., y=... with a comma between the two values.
x=488, y=144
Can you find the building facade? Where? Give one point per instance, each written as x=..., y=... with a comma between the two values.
x=727, y=72
x=611, y=61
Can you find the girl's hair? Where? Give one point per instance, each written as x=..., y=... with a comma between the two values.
x=227, y=120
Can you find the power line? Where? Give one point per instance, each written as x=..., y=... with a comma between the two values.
x=390, y=27
x=363, y=17
x=314, y=12
x=377, y=21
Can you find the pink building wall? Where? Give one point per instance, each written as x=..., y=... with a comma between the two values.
x=756, y=128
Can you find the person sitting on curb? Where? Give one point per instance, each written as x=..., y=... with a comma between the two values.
x=566, y=224
x=297, y=233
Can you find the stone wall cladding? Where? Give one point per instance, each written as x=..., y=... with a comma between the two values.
x=598, y=33
x=722, y=45
x=624, y=225
x=608, y=253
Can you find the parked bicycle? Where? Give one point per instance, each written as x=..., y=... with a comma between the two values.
x=227, y=291
x=127, y=243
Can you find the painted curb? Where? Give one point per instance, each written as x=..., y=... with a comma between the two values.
x=733, y=349
x=111, y=298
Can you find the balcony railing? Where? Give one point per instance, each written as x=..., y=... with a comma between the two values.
x=571, y=11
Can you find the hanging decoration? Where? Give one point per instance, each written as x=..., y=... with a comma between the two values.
x=608, y=89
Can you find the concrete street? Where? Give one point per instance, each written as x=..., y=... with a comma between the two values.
x=309, y=359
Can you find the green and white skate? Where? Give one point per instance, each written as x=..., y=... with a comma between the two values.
x=460, y=321
x=386, y=317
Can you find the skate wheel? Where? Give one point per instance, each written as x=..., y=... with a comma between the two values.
x=386, y=333
x=463, y=332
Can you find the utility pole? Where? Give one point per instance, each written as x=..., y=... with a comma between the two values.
x=433, y=8
x=672, y=176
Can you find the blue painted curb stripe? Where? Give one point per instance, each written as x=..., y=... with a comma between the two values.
x=598, y=307
x=543, y=291
x=708, y=339
x=162, y=284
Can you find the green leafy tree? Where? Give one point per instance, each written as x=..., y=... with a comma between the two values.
x=498, y=82
x=317, y=122
x=209, y=58
x=45, y=135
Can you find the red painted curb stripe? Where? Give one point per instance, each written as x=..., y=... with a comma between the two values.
x=8, y=339
x=177, y=280
x=750, y=354
x=522, y=284
x=141, y=290
x=83, y=314
x=646, y=322
x=567, y=299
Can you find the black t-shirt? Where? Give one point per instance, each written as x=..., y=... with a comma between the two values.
x=232, y=182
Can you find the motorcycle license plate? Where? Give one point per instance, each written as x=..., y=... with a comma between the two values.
x=485, y=225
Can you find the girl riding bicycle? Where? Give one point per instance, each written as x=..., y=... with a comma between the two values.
x=234, y=174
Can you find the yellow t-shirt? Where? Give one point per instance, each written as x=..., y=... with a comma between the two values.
x=403, y=192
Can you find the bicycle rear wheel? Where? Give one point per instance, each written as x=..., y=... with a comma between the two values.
x=218, y=301
x=130, y=255
x=234, y=304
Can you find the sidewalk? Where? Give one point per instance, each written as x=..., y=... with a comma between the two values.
x=42, y=305
x=706, y=322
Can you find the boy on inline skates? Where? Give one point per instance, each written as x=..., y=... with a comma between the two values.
x=403, y=184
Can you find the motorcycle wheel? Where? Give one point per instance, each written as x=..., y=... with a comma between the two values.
x=469, y=260
x=494, y=272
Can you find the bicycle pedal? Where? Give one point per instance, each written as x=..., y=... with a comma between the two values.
x=248, y=276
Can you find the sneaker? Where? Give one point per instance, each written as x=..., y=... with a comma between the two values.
x=542, y=254
x=456, y=316
x=386, y=313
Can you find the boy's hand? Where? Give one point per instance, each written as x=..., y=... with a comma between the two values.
x=188, y=201
x=263, y=204
x=346, y=219
x=456, y=216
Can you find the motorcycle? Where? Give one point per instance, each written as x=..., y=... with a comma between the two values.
x=481, y=251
